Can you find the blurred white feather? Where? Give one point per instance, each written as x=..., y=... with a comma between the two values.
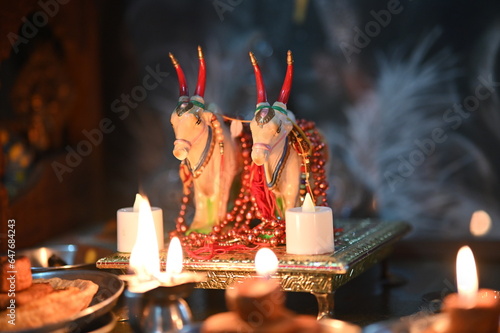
x=436, y=188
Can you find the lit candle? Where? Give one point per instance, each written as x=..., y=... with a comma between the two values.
x=260, y=298
x=145, y=258
x=174, y=274
x=127, y=225
x=309, y=229
x=257, y=305
x=471, y=310
x=467, y=283
x=174, y=257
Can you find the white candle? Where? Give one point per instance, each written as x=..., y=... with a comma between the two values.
x=309, y=229
x=127, y=222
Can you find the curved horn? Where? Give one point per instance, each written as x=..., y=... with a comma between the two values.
x=287, y=84
x=202, y=76
x=183, y=87
x=261, y=89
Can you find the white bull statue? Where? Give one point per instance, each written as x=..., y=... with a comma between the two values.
x=209, y=155
x=272, y=145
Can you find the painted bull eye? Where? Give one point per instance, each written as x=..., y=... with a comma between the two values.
x=264, y=115
x=278, y=131
x=183, y=108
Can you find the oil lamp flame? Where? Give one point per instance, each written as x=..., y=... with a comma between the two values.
x=480, y=223
x=266, y=262
x=174, y=257
x=144, y=258
x=467, y=281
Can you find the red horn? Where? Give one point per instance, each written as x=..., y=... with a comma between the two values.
x=261, y=89
x=183, y=87
x=287, y=85
x=202, y=74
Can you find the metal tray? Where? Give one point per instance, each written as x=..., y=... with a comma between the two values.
x=110, y=288
x=64, y=257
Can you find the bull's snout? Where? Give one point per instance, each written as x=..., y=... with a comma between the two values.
x=180, y=153
x=181, y=149
x=259, y=155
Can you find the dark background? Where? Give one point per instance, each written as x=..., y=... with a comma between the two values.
x=371, y=105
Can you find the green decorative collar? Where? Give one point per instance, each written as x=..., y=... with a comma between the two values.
x=277, y=108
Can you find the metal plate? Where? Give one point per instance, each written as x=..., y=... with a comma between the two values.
x=110, y=288
x=63, y=257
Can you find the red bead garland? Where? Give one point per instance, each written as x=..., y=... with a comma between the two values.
x=235, y=229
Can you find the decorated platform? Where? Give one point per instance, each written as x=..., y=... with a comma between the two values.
x=358, y=245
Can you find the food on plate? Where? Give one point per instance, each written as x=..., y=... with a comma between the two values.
x=35, y=291
x=15, y=273
x=45, y=301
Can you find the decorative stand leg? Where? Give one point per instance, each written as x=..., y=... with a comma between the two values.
x=389, y=279
x=325, y=305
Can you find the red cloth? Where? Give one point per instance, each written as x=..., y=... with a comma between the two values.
x=264, y=198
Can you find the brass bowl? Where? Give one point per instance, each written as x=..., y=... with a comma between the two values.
x=64, y=257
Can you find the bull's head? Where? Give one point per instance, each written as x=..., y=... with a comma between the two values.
x=271, y=124
x=189, y=119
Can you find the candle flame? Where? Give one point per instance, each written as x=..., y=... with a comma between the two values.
x=480, y=223
x=467, y=281
x=308, y=205
x=266, y=262
x=174, y=257
x=144, y=258
x=44, y=257
x=137, y=202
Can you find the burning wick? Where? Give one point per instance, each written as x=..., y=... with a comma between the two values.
x=137, y=202
x=467, y=282
x=257, y=304
x=480, y=223
x=472, y=309
x=174, y=259
x=145, y=258
x=266, y=263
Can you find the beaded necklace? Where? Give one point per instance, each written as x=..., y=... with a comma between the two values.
x=238, y=228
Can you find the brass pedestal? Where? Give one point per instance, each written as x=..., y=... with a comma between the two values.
x=358, y=245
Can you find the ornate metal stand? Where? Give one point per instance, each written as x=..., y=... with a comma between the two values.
x=162, y=309
x=358, y=245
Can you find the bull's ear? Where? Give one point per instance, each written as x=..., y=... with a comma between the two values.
x=291, y=115
x=236, y=128
x=174, y=118
x=205, y=115
x=287, y=125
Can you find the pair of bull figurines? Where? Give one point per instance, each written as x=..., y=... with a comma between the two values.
x=211, y=157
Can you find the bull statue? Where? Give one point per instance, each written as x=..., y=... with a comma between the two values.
x=272, y=147
x=208, y=153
